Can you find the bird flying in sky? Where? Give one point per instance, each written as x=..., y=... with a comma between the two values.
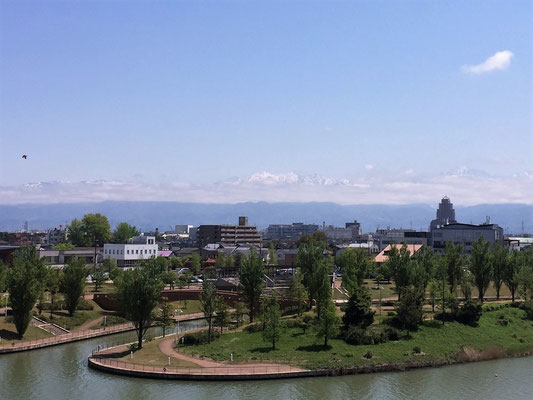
x=24, y=156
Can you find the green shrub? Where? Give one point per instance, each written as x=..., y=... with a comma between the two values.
x=503, y=320
x=85, y=305
x=356, y=335
x=391, y=313
x=392, y=333
x=528, y=308
x=199, y=337
x=292, y=323
x=469, y=313
x=255, y=327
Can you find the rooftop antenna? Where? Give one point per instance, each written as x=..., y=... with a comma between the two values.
x=522, y=227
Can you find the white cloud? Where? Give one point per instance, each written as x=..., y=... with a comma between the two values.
x=499, y=61
x=466, y=188
x=369, y=166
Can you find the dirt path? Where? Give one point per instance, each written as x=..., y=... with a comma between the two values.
x=89, y=324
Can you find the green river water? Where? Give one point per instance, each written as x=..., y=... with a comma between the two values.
x=61, y=372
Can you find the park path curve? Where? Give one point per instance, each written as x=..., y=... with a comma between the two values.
x=167, y=347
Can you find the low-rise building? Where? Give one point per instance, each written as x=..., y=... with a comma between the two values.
x=384, y=255
x=465, y=235
x=58, y=258
x=130, y=254
x=289, y=231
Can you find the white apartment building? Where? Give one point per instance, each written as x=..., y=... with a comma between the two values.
x=128, y=255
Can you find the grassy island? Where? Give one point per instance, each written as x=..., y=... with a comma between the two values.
x=499, y=333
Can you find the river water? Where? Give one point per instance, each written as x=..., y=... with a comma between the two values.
x=61, y=372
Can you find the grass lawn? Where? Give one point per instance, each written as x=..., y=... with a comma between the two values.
x=62, y=318
x=105, y=288
x=436, y=341
x=110, y=321
x=8, y=332
x=151, y=355
x=187, y=306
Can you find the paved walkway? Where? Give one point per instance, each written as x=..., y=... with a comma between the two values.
x=78, y=335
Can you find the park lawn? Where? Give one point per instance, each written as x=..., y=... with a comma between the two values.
x=188, y=307
x=151, y=355
x=63, y=319
x=107, y=287
x=111, y=320
x=437, y=343
x=9, y=332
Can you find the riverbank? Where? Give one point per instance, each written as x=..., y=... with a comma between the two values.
x=500, y=334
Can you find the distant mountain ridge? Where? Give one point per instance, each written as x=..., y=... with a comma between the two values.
x=148, y=215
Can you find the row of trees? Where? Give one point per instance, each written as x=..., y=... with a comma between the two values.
x=456, y=270
x=28, y=279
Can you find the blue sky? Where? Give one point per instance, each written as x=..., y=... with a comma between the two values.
x=193, y=94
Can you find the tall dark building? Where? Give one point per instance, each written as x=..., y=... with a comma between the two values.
x=445, y=214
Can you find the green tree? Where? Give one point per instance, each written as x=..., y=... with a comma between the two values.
x=525, y=276
x=54, y=278
x=96, y=228
x=510, y=275
x=434, y=289
x=74, y=276
x=76, y=234
x=272, y=321
x=455, y=264
x=138, y=292
x=110, y=267
x=3, y=277
x=272, y=255
x=328, y=322
x=398, y=266
x=409, y=309
x=208, y=304
x=165, y=315
x=196, y=263
x=298, y=293
x=309, y=260
x=123, y=232
x=441, y=274
x=25, y=285
x=238, y=314
x=355, y=267
x=220, y=262
x=170, y=278
x=467, y=283
x=500, y=259
x=63, y=246
x=425, y=259
x=358, y=312
x=251, y=276
x=222, y=319
x=175, y=262
x=98, y=279
x=481, y=266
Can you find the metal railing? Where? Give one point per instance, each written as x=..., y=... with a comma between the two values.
x=59, y=339
x=233, y=369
